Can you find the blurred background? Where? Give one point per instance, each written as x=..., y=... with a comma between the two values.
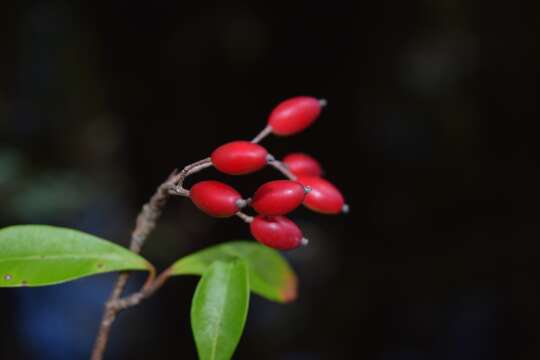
x=428, y=132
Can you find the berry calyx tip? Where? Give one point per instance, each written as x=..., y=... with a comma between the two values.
x=241, y=203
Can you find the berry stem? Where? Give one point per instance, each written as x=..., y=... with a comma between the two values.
x=281, y=167
x=178, y=187
x=245, y=217
x=264, y=133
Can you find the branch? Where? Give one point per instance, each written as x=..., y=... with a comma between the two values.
x=144, y=224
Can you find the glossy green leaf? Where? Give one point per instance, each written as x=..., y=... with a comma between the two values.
x=269, y=273
x=37, y=255
x=219, y=309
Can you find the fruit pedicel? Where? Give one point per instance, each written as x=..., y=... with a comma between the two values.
x=274, y=199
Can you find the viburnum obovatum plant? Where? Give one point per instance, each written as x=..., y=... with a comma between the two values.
x=40, y=255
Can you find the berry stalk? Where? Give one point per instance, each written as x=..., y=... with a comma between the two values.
x=260, y=136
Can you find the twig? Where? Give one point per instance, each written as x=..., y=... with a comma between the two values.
x=154, y=284
x=145, y=223
x=145, y=292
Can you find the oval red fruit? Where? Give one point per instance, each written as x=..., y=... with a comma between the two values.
x=278, y=197
x=324, y=197
x=277, y=232
x=239, y=157
x=294, y=115
x=302, y=164
x=216, y=198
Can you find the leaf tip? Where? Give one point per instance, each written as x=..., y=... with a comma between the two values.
x=289, y=292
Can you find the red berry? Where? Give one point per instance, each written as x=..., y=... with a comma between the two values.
x=216, y=198
x=239, y=157
x=303, y=164
x=294, y=115
x=323, y=197
x=277, y=232
x=278, y=197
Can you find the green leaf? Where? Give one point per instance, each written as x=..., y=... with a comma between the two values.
x=37, y=255
x=219, y=309
x=269, y=274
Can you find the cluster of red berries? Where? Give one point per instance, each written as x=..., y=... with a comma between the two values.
x=277, y=198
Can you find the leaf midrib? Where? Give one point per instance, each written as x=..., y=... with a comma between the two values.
x=60, y=257
x=215, y=341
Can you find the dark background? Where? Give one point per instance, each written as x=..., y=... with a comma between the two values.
x=429, y=132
